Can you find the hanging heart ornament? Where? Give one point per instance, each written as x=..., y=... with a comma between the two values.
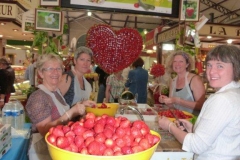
x=114, y=50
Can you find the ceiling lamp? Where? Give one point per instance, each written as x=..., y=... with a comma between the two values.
x=145, y=31
x=209, y=37
x=2, y=23
x=154, y=48
x=89, y=13
x=229, y=41
x=15, y=30
x=149, y=51
x=1, y=36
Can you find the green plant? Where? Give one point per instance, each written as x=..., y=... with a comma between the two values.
x=185, y=48
x=41, y=38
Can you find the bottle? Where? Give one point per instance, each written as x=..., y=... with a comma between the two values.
x=7, y=114
x=22, y=115
x=16, y=121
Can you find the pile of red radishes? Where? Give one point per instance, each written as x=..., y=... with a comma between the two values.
x=103, y=135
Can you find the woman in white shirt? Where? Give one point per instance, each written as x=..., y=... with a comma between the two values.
x=216, y=134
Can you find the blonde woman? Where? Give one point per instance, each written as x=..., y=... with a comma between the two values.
x=186, y=90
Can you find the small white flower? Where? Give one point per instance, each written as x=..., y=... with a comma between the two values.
x=49, y=19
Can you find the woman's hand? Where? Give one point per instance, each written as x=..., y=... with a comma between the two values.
x=186, y=125
x=89, y=103
x=168, y=100
x=162, y=98
x=164, y=122
x=79, y=108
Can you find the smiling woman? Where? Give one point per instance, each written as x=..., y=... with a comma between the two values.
x=46, y=106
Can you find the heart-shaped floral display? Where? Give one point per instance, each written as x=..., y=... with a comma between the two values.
x=114, y=50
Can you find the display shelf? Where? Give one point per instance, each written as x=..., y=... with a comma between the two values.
x=19, y=73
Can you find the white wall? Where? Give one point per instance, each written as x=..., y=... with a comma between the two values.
x=148, y=61
x=19, y=56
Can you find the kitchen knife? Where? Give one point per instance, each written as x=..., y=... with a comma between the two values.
x=180, y=123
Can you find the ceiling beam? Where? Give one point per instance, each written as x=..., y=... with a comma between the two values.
x=217, y=7
x=125, y=24
x=100, y=18
x=110, y=19
x=211, y=6
x=135, y=23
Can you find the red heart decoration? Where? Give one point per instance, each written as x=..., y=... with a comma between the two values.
x=114, y=50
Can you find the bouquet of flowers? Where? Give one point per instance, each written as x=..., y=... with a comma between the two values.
x=157, y=70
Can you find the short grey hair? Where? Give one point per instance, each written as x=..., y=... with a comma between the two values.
x=81, y=50
x=42, y=59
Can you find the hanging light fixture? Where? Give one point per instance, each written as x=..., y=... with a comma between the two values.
x=145, y=31
x=89, y=13
x=229, y=41
x=209, y=37
x=154, y=48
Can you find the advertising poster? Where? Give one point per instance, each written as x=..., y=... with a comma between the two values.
x=154, y=6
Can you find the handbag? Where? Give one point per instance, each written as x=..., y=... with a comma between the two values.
x=115, y=99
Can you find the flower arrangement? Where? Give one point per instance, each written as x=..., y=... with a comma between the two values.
x=157, y=70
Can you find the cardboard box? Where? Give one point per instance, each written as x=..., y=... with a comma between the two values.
x=4, y=147
x=5, y=132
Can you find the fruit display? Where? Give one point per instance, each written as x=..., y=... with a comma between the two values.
x=157, y=70
x=22, y=88
x=103, y=105
x=109, y=109
x=180, y=114
x=102, y=137
x=19, y=73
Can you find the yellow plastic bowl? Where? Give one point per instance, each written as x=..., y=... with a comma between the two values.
x=110, y=111
x=60, y=154
x=186, y=113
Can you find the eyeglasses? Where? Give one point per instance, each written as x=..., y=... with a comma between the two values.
x=52, y=69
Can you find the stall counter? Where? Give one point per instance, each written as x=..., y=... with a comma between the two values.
x=19, y=147
x=169, y=148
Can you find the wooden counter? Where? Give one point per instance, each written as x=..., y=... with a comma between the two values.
x=169, y=148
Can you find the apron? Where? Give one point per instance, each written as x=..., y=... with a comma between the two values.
x=79, y=94
x=38, y=149
x=185, y=94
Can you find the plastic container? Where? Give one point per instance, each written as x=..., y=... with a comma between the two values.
x=18, y=114
x=111, y=109
x=16, y=121
x=7, y=114
x=60, y=154
x=22, y=115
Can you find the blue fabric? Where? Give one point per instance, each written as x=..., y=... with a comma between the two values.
x=19, y=148
x=137, y=83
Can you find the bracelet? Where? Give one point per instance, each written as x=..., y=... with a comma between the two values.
x=169, y=127
x=68, y=116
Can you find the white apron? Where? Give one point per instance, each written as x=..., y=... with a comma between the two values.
x=38, y=149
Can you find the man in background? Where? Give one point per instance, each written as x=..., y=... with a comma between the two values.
x=9, y=78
